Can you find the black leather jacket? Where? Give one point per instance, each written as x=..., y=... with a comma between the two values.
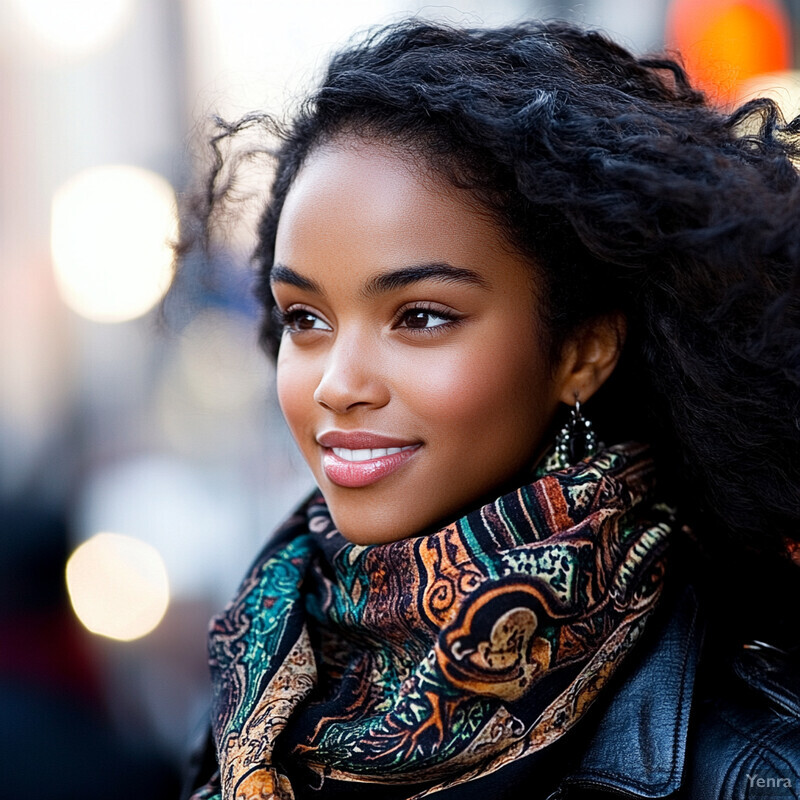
x=685, y=721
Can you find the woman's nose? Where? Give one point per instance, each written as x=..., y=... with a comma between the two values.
x=351, y=377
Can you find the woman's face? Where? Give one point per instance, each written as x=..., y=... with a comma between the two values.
x=412, y=372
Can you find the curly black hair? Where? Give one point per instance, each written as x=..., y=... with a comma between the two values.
x=629, y=192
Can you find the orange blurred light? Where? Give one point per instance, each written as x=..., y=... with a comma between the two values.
x=726, y=42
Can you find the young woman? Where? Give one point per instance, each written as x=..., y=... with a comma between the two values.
x=535, y=309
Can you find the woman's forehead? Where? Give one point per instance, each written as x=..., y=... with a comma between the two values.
x=369, y=166
x=367, y=194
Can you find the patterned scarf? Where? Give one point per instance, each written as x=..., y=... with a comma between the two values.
x=438, y=658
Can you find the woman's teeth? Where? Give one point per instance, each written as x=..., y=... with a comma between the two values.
x=367, y=454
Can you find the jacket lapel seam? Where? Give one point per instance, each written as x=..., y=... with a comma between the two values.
x=618, y=780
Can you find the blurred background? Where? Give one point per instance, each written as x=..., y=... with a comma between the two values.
x=143, y=459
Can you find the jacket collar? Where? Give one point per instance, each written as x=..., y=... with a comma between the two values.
x=639, y=746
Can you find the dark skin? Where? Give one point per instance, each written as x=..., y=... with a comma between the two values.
x=445, y=355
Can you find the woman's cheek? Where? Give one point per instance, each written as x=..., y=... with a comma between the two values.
x=458, y=383
x=295, y=387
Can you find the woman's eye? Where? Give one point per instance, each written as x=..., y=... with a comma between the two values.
x=300, y=319
x=425, y=319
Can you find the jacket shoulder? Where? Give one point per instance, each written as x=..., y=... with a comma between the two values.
x=744, y=738
x=697, y=717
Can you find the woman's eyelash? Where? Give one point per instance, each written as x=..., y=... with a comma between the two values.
x=278, y=317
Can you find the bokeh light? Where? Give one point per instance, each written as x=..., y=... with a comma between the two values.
x=118, y=586
x=75, y=27
x=727, y=42
x=111, y=235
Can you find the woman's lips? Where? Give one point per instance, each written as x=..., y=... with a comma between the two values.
x=354, y=474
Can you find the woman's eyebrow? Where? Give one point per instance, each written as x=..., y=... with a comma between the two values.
x=388, y=281
x=280, y=273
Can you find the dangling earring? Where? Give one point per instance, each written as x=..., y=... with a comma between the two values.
x=576, y=440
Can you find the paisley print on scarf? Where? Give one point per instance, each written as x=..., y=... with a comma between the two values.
x=443, y=657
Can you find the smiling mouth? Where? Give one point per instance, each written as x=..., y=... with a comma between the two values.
x=357, y=468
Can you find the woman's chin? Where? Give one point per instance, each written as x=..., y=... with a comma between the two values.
x=381, y=530
x=387, y=530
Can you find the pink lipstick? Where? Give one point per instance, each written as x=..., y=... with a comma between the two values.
x=358, y=458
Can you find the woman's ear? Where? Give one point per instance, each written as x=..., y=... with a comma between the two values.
x=589, y=357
